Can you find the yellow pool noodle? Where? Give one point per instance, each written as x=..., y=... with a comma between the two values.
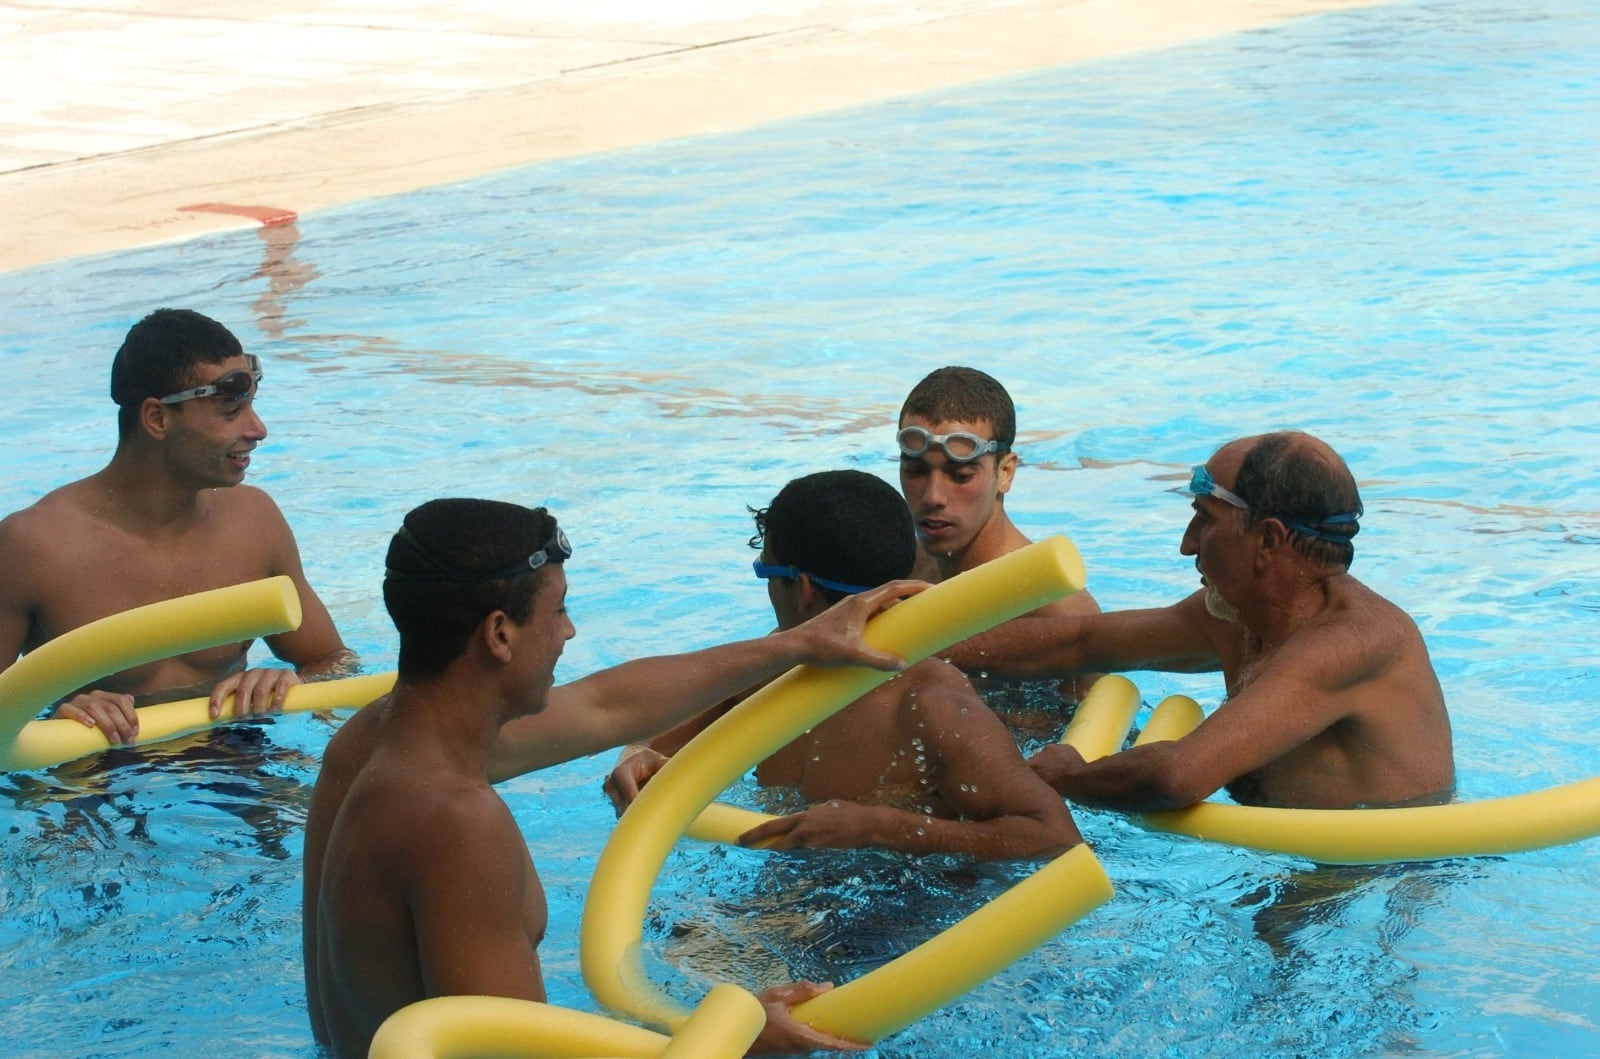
x=1103, y=718
x=964, y=955
x=619, y=893
x=41, y=744
x=466, y=1027
x=1513, y=824
x=723, y=1026
x=74, y=659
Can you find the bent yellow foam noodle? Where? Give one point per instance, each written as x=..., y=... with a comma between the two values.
x=723, y=1026
x=121, y=641
x=972, y=951
x=459, y=1027
x=914, y=629
x=1513, y=824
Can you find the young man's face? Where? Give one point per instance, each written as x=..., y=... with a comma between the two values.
x=213, y=435
x=952, y=501
x=551, y=627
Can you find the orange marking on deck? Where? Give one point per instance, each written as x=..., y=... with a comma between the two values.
x=269, y=216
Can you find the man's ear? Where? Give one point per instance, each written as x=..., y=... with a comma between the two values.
x=498, y=633
x=1274, y=537
x=155, y=418
x=812, y=601
x=1005, y=470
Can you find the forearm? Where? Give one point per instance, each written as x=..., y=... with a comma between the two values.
x=1138, y=780
x=342, y=662
x=1025, y=648
x=1000, y=838
x=649, y=696
x=633, y=703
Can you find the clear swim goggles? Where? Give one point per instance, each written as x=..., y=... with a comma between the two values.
x=235, y=386
x=556, y=550
x=958, y=445
x=767, y=571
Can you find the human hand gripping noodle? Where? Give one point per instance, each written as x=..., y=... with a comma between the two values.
x=121, y=641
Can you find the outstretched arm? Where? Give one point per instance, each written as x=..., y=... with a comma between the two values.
x=1046, y=645
x=1299, y=695
x=639, y=699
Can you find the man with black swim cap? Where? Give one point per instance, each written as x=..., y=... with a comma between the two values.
x=1332, y=701
x=418, y=882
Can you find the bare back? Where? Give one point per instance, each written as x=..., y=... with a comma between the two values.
x=413, y=873
x=925, y=744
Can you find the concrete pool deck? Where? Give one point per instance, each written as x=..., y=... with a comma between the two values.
x=130, y=122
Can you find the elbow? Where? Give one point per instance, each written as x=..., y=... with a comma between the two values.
x=1176, y=787
x=1046, y=835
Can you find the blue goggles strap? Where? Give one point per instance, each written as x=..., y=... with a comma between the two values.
x=766, y=571
x=1305, y=528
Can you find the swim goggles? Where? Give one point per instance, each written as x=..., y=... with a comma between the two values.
x=556, y=550
x=236, y=385
x=958, y=445
x=767, y=571
x=1202, y=484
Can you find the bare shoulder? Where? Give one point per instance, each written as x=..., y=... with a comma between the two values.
x=58, y=528
x=938, y=687
x=241, y=502
x=60, y=511
x=1371, y=623
x=250, y=519
x=1363, y=638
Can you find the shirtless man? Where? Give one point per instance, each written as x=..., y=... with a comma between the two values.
x=417, y=880
x=917, y=765
x=1332, y=700
x=165, y=518
x=956, y=430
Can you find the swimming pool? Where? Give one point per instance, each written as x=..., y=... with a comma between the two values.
x=1378, y=226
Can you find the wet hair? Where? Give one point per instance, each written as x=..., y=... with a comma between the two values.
x=1287, y=476
x=846, y=526
x=159, y=356
x=964, y=395
x=436, y=613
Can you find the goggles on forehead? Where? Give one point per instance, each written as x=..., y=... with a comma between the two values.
x=235, y=386
x=958, y=445
x=1202, y=484
x=767, y=571
x=556, y=550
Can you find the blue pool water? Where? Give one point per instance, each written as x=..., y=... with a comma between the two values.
x=1382, y=226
